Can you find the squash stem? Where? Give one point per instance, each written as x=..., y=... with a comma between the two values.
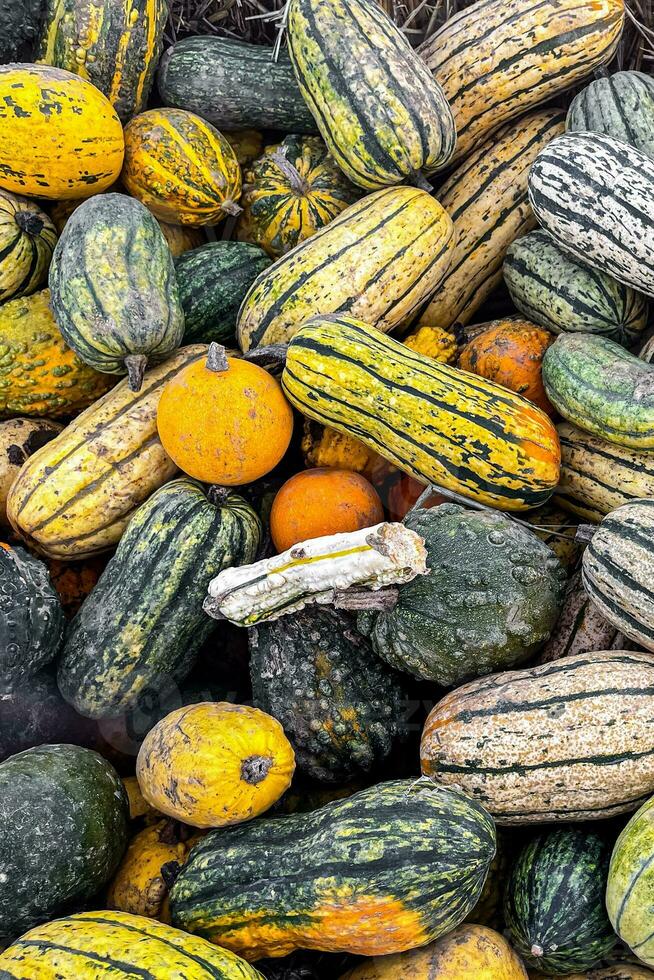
x=418, y=179
x=298, y=184
x=255, y=768
x=216, y=358
x=231, y=207
x=135, y=364
x=29, y=222
x=217, y=495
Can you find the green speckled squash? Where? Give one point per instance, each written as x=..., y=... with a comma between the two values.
x=619, y=105
x=143, y=622
x=339, y=705
x=490, y=599
x=392, y=867
x=63, y=811
x=630, y=884
x=114, y=289
x=554, y=903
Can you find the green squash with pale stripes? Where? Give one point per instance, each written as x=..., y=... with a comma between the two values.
x=390, y=868
x=113, y=287
x=619, y=105
x=631, y=883
x=560, y=293
x=143, y=622
x=554, y=902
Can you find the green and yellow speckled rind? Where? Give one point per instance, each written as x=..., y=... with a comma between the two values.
x=620, y=105
x=600, y=387
x=554, y=902
x=115, y=45
x=27, y=239
x=113, y=285
x=143, y=623
x=630, y=884
x=376, y=104
x=120, y=946
x=379, y=260
x=392, y=867
x=441, y=425
x=64, y=829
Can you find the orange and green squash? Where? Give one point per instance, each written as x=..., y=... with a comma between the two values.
x=27, y=240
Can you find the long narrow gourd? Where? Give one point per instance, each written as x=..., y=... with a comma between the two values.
x=565, y=741
x=498, y=58
x=486, y=197
x=380, y=260
x=378, y=108
x=314, y=571
x=595, y=197
x=618, y=570
x=619, y=105
x=74, y=497
x=442, y=425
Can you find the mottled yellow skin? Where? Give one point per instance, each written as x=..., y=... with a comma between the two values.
x=193, y=765
x=59, y=136
x=139, y=808
x=630, y=886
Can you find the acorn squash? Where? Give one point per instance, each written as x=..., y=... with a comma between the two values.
x=27, y=239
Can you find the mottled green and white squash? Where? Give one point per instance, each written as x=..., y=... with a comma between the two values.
x=630, y=884
x=619, y=105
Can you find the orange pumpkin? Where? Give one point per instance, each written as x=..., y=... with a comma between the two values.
x=224, y=420
x=511, y=353
x=322, y=501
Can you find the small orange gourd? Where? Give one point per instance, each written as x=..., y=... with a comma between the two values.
x=224, y=420
x=511, y=353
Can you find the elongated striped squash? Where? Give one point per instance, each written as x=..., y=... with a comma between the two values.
x=59, y=136
x=618, y=570
x=595, y=197
x=392, y=867
x=619, y=105
x=486, y=197
x=580, y=628
x=115, y=45
x=379, y=260
x=630, y=884
x=119, y=945
x=565, y=741
x=597, y=476
x=564, y=295
x=74, y=497
x=376, y=104
x=27, y=239
x=442, y=425
x=497, y=58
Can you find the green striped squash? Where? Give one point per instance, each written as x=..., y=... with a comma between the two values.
x=27, y=240
x=600, y=387
x=630, y=884
x=564, y=741
x=554, y=901
x=558, y=292
x=442, y=425
x=378, y=108
x=580, y=628
x=597, y=476
x=113, y=287
x=618, y=570
x=391, y=867
x=380, y=260
x=143, y=623
x=595, y=196
x=619, y=105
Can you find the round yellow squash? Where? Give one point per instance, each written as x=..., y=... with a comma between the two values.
x=59, y=136
x=468, y=953
x=214, y=764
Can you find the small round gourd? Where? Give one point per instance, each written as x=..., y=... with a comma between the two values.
x=214, y=764
x=226, y=447
x=27, y=239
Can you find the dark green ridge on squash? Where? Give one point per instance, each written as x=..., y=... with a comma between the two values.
x=620, y=105
x=554, y=902
x=63, y=812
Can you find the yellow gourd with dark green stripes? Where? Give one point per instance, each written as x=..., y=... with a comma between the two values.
x=27, y=239
x=442, y=425
x=375, y=102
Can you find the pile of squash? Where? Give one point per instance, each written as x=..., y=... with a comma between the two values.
x=327, y=496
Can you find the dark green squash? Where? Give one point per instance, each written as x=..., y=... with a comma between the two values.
x=554, y=902
x=143, y=624
x=31, y=617
x=392, y=867
x=341, y=708
x=213, y=280
x=36, y=714
x=63, y=812
x=490, y=599
x=19, y=26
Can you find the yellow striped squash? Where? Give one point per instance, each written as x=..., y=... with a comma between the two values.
x=180, y=167
x=498, y=58
x=115, y=45
x=441, y=425
x=59, y=136
x=75, y=498
x=379, y=260
x=27, y=239
x=376, y=104
x=121, y=946
x=486, y=197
